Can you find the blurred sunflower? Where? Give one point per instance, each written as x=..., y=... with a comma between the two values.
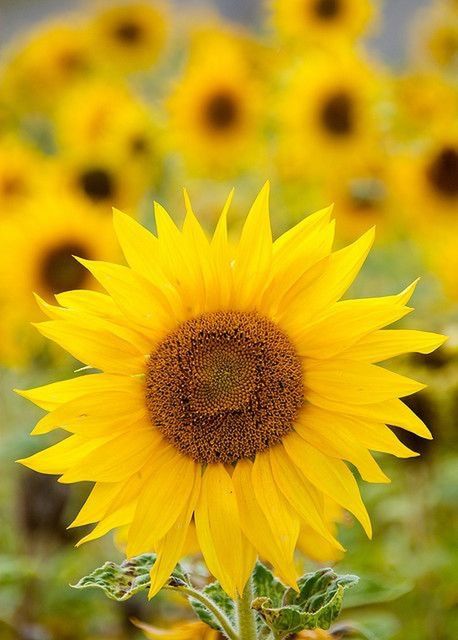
x=128, y=36
x=309, y=21
x=224, y=368
x=428, y=179
x=102, y=181
x=104, y=118
x=215, y=113
x=421, y=97
x=364, y=191
x=22, y=172
x=327, y=114
x=46, y=65
x=42, y=239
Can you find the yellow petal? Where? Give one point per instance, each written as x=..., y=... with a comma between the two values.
x=226, y=551
x=333, y=436
x=382, y=345
x=256, y=526
x=356, y=382
x=100, y=350
x=302, y=496
x=329, y=475
x=63, y=455
x=317, y=221
x=254, y=253
x=170, y=548
x=393, y=412
x=221, y=258
x=281, y=517
x=97, y=503
x=115, y=460
x=50, y=396
x=165, y=494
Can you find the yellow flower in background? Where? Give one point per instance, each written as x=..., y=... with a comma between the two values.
x=216, y=113
x=39, y=242
x=327, y=114
x=233, y=386
x=428, y=179
x=128, y=36
x=422, y=97
x=23, y=171
x=190, y=630
x=364, y=190
x=102, y=181
x=102, y=117
x=47, y=64
x=434, y=37
x=309, y=21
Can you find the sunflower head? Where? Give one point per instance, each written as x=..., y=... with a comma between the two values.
x=233, y=387
x=129, y=36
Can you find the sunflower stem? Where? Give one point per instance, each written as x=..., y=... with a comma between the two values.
x=223, y=621
x=245, y=614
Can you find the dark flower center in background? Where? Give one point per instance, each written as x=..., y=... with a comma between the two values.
x=139, y=145
x=366, y=194
x=443, y=172
x=337, y=114
x=12, y=186
x=224, y=386
x=327, y=9
x=129, y=32
x=97, y=184
x=59, y=269
x=221, y=111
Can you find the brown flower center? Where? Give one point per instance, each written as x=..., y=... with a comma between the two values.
x=221, y=111
x=97, y=184
x=129, y=32
x=224, y=386
x=337, y=114
x=327, y=9
x=442, y=173
x=59, y=269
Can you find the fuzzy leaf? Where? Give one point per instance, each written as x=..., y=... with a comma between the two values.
x=266, y=585
x=317, y=604
x=122, y=581
x=216, y=594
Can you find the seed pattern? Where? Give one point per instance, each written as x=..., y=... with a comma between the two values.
x=224, y=386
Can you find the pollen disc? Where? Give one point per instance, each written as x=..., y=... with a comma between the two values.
x=224, y=386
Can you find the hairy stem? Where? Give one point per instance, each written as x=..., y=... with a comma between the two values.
x=221, y=618
x=246, y=615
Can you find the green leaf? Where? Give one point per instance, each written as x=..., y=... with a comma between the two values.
x=317, y=603
x=220, y=599
x=122, y=581
x=265, y=584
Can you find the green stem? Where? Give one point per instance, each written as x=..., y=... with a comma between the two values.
x=245, y=614
x=223, y=621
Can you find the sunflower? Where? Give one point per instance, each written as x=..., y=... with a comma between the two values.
x=309, y=21
x=233, y=386
x=428, y=179
x=106, y=118
x=48, y=63
x=42, y=239
x=20, y=178
x=101, y=180
x=327, y=114
x=215, y=112
x=364, y=191
x=421, y=97
x=434, y=38
x=128, y=36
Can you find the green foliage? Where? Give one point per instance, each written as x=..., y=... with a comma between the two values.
x=222, y=602
x=317, y=603
x=122, y=581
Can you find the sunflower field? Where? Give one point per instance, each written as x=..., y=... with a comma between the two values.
x=228, y=320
